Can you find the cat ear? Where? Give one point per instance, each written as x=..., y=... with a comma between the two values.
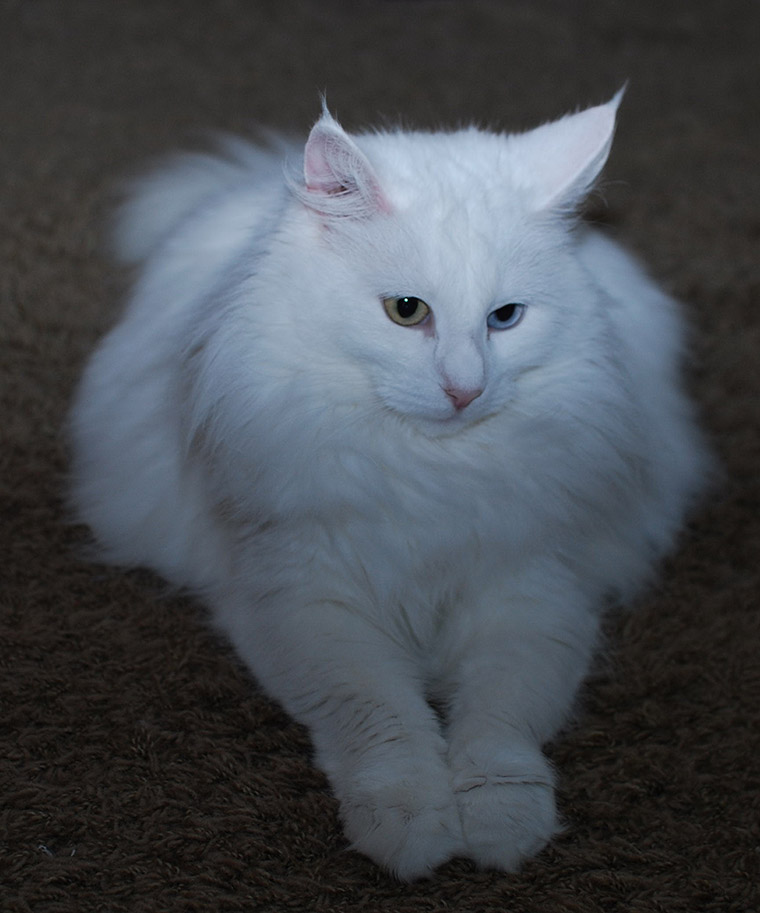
x=564, y=158
x=339, y=180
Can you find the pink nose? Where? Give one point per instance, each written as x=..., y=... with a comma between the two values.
x=462, y=398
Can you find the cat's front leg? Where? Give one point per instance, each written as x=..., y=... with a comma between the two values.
x=517, y=670
x=506, y=803
x=376, y=738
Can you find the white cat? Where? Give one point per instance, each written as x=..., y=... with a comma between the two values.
x=406, y=426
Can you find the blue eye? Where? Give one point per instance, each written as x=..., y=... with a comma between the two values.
x=506, y=317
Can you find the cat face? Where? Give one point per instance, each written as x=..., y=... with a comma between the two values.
x=445, y=275
x=436, y=327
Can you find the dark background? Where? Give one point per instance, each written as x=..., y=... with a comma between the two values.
x=140, y=770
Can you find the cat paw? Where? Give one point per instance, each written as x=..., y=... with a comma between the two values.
x=508, y=812
x=408, y=825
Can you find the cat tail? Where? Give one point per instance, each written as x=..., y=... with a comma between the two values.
x=154, y=204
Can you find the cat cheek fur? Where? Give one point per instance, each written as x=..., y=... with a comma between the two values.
x=257, y=430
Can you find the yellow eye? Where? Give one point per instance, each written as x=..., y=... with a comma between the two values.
x=406, y=310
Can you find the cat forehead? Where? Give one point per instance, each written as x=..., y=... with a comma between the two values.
x=457, y=199
x=468, y=164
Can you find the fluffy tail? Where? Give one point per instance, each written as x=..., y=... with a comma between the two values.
x=158, y=202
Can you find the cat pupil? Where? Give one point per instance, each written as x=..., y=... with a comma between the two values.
x=407, y=307
x=506, y=312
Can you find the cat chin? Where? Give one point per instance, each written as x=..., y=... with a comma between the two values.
x=446, y=426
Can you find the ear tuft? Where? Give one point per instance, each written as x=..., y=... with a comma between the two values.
x=339, y=180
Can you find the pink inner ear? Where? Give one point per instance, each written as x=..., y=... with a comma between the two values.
x=318, y=170
x=335, y=166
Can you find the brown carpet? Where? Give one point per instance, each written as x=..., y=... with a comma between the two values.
x=140, y=770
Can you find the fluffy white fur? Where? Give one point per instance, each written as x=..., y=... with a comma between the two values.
x=256, y=428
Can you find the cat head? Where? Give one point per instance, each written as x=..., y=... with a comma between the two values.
x=444, y=261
